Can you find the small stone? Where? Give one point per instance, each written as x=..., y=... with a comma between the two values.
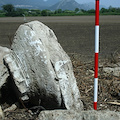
x=115, y=71
x=1, y=114
x=11, y=108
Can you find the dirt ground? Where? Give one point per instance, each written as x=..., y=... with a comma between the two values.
x=76, y=36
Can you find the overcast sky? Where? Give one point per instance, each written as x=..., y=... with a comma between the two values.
x=107, y=3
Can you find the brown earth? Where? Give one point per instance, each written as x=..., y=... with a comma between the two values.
x=76, y=35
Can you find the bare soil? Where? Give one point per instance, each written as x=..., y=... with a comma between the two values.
x=76, y=36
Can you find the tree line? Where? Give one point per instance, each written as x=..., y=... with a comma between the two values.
x=10, y=10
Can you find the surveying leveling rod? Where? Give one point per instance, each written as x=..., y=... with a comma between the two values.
x=96, y=54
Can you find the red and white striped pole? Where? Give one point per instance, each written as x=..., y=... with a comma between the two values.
x=96, y=54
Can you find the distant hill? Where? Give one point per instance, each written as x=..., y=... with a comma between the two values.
x=29, y=4
x=69, y=5
x=49, y=4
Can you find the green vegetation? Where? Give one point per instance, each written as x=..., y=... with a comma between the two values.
x=110, y=11
x=10, y=10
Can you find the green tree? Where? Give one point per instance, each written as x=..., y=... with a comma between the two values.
x=118, y=10
x=91, y=11
x=18, y=12
x=59, y=10
x=111, y=9
x=103, y=10
x=9, y=9
x=76, y=10
x=84, y=11
x=44, y=12
x=2, y=13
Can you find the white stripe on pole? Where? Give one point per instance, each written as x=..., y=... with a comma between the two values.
x=95, y=89
x=97, y=39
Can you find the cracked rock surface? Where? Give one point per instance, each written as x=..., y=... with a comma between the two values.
x=3, y=70
x=78, y=115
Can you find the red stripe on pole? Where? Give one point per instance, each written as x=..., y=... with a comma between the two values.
x=97, y=13
x=96, y=65
x=95, y=105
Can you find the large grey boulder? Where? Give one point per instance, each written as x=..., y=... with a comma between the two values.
x=41, y=69
x=78, y=115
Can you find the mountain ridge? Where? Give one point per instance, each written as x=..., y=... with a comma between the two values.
x=70, y=5
x=41, y=4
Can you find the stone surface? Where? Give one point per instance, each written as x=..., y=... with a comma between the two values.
x=78, y=115
x=3, y=70
x=13, y=107
x=1, y=114
x=114, y=71
x=41, y=69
